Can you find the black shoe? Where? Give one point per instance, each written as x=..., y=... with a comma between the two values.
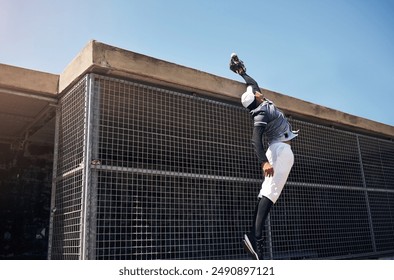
x=237, y=65
x=253, y=247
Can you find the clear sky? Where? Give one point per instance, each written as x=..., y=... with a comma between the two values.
x=335, y=53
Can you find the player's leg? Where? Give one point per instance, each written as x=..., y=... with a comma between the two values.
x=254, y=241
x=282, y=161
x=261, y=212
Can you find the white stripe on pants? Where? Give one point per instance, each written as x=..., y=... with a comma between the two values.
x=281, y=157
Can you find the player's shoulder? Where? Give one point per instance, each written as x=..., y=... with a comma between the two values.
x=260, y=112
x=261, y=108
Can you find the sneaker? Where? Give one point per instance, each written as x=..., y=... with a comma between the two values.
x=237, y=65
x=249, y=247
x=253, y=247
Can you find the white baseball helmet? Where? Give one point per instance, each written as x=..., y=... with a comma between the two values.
x=248, y=97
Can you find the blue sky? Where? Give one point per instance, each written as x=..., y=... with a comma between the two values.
x=339, y=54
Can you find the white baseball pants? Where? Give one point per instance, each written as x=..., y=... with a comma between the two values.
x=281, y=157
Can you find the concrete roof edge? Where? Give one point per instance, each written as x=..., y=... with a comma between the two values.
x=101, y=58
x=114, y=60
x=29, y=81
x=328, y=116
x=80, y=65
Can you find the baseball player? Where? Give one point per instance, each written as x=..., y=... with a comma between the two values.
x=276, y=162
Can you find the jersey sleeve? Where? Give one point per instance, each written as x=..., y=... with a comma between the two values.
x=260, y=122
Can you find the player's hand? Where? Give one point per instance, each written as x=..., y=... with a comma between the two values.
x=267, y=169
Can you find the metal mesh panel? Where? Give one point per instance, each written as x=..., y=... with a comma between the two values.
x=148, y=128
x=319, y=222
x=174, y=176
x=150, y=216
x=378, y=165
x=382, y=212
x=67, y=191
x=172, y=182
x=66, y=238
x=325, y=156
x=72, y=129
x=322, y=212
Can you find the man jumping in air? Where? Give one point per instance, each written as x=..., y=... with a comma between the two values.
x=275, y=163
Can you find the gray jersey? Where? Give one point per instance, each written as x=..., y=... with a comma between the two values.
x=269, y=120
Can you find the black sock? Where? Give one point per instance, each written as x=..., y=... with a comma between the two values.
x=261, y=212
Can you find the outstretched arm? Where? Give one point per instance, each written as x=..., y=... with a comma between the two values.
x=237, y=66
x=250, y=82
